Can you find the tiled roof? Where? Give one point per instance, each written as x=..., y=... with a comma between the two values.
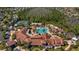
x=21, y=36
x=37, y=42
x=41, y=37
x=56, y=40
x=36, y=37
x=10, y=43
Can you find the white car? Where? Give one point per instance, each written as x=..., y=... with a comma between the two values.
x=74, y=38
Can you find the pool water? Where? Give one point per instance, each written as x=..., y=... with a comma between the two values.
x=41, y=30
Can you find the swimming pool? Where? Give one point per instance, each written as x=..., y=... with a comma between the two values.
x=41, y=30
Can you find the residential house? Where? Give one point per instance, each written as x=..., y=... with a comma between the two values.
x=20, y=36
x=37, y=42
x=55, y=41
